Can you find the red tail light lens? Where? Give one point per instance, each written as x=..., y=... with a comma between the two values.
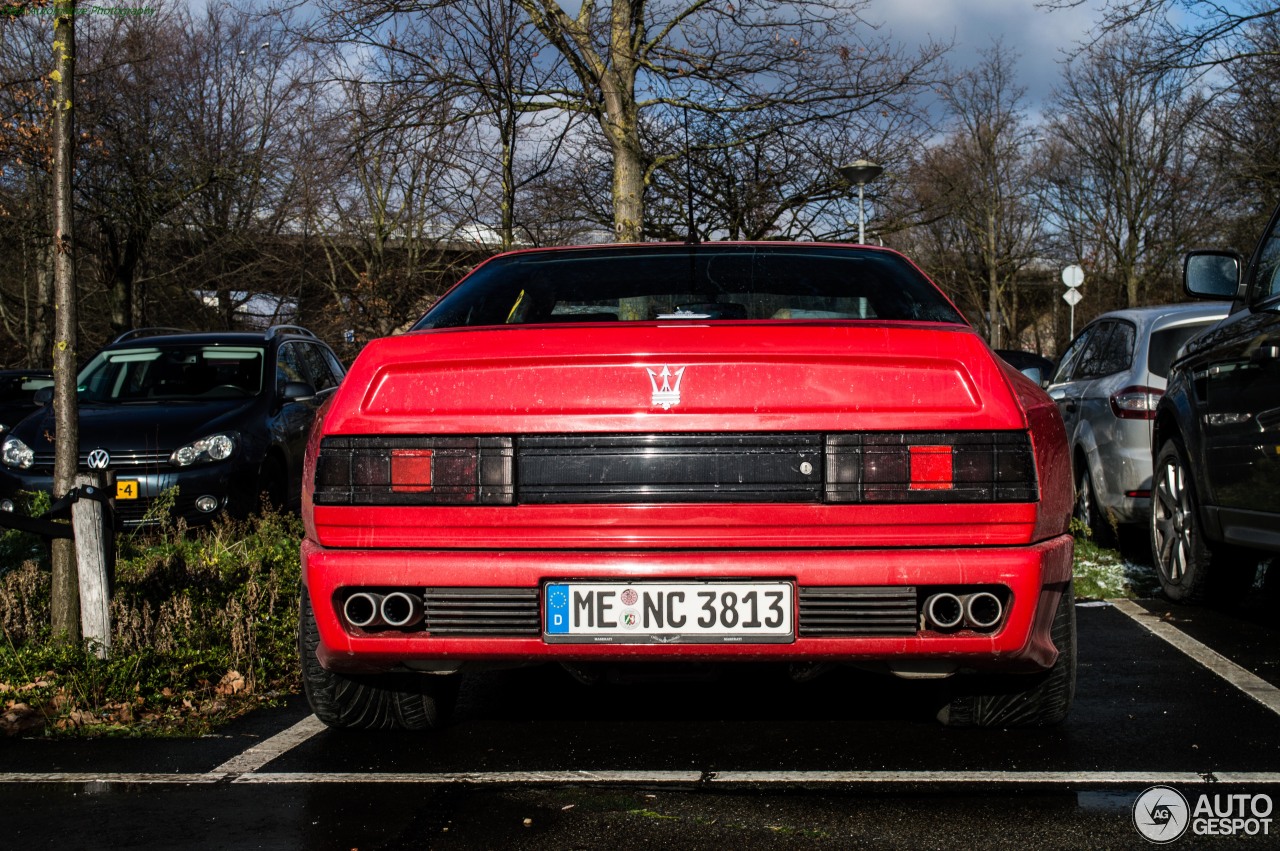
x=930, y=467
x=414, y=471
x=411, y=470
x=1136, y=402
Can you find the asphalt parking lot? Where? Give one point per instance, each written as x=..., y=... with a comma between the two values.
x=1185, y=698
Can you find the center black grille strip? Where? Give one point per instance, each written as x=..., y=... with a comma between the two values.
x=669, y=468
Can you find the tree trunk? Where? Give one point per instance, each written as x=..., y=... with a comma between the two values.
x=65, y=593
x=628, y=193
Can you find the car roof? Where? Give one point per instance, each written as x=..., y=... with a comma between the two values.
x=1169, y=314
x=168, y=336
x=34, y=373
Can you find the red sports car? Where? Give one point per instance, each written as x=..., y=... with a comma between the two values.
x=618, y=454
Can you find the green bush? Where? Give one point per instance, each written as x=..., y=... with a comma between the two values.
x=203, y=627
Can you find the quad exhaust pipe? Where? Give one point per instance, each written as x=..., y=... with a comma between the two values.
x=369, y=609
x=945, y=611
x=401, y=610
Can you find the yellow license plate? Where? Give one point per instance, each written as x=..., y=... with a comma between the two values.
x=126, y=489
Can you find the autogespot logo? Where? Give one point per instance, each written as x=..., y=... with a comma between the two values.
x=1160, y=814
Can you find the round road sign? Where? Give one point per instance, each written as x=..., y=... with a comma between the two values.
x=1073, y=276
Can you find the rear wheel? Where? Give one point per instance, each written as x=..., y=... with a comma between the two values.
x=1190, y=566
x=1088, y=512
x=388, y=701
x=1021, y=700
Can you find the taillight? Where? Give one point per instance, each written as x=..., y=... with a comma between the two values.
x=930, y=467
x=414, y=471
x=1136, y=402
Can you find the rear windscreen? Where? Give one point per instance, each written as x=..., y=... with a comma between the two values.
x=1166, y=343
x=700, y=282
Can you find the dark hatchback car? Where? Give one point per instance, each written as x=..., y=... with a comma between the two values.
x=221, y=416
x=1216, y=491
x=18, y=388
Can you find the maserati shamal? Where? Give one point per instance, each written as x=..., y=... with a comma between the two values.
x=611, y=455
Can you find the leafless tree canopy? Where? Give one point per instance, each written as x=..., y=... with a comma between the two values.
x=339, y=163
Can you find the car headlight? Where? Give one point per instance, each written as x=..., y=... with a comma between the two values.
x=18, y=454
x=215, y=447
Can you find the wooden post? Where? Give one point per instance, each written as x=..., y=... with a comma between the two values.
x=93, y=543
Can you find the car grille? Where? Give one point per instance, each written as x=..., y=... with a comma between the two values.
x=482, y=611
x=853, y=611
x=119, y=460
x=824, y=611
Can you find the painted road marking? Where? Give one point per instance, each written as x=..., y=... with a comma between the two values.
x=281, y=743
x=246, y=766
x=1247, y=682
x=1105, y=779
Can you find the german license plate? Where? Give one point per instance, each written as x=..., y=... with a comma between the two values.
x=126, y=489
x=668, y=612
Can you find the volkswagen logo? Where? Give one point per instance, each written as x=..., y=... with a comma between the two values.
x=99, y=459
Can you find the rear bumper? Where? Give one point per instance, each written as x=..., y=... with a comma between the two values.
x=1035, y=576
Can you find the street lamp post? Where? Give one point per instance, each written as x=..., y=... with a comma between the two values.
x=859, y=173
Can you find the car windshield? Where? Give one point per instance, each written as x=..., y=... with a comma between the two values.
x=21, y=389
x=172, y=373
x=706, y=282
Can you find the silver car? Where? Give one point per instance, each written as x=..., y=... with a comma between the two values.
x=1107, y=386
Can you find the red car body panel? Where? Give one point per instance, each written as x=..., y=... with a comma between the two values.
x=739, y=377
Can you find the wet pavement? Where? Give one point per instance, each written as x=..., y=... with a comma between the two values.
x=535, y=759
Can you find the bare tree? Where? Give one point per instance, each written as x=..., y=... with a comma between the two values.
x=1122, y=176
x=65, y=589
x=986, y=221
x=1242, y=129
x=1186, y=33
x=797, y=61
x=26, y=147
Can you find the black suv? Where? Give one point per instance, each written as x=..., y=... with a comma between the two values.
x=221, y=416
x=1216, y=444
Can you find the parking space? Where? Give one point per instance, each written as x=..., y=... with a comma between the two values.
x=536, y=759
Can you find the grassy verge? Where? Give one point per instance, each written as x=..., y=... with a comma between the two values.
x=203, y=629
x=204, y=626
x=1102, y=573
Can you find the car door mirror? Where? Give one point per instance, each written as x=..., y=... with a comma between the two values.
x=297, y=391
x=43, y=396
x=1212, y=274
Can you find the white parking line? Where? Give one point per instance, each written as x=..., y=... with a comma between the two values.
x=976, y=779
x=1249, y=683
x=279, y=744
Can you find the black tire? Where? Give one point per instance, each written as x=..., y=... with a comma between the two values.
x=1021, y=700
x=1088, y=512
x=383, y=701
x=1191, y=568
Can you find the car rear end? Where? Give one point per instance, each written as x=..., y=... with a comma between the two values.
x=1126, y=406
x=833, y=488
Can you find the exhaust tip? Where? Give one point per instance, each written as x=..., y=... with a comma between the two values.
x=943, y=611
x=400, y=609
x=363, y=609
x=983, y=610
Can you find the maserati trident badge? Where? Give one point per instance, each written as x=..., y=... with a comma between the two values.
x=667, y=394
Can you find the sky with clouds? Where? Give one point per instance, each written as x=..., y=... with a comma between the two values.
x=1041, y=38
